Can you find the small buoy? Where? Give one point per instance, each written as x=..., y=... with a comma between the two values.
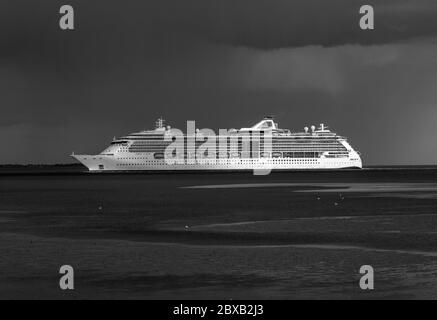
x=335, y=204
x=100, y=207
x=187, y=227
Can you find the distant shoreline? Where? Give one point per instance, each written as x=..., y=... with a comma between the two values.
x=40, y=165
x=75, y=169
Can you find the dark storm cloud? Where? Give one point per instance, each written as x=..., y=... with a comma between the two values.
x=222, y=63
x=255, y=23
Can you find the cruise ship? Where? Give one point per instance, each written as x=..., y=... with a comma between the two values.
x=263, y=145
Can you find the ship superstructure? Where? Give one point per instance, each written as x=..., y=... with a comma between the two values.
x=314, y=148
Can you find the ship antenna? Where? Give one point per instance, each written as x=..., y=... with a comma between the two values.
x=159, y=123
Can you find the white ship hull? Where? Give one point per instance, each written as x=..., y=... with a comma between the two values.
x=110, y=163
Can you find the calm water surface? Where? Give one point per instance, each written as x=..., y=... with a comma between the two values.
x=289, y=235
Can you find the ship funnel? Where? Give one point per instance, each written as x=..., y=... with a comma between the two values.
x=313, y=128
x=306, y=129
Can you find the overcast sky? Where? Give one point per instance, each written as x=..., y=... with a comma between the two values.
x=224, y=64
